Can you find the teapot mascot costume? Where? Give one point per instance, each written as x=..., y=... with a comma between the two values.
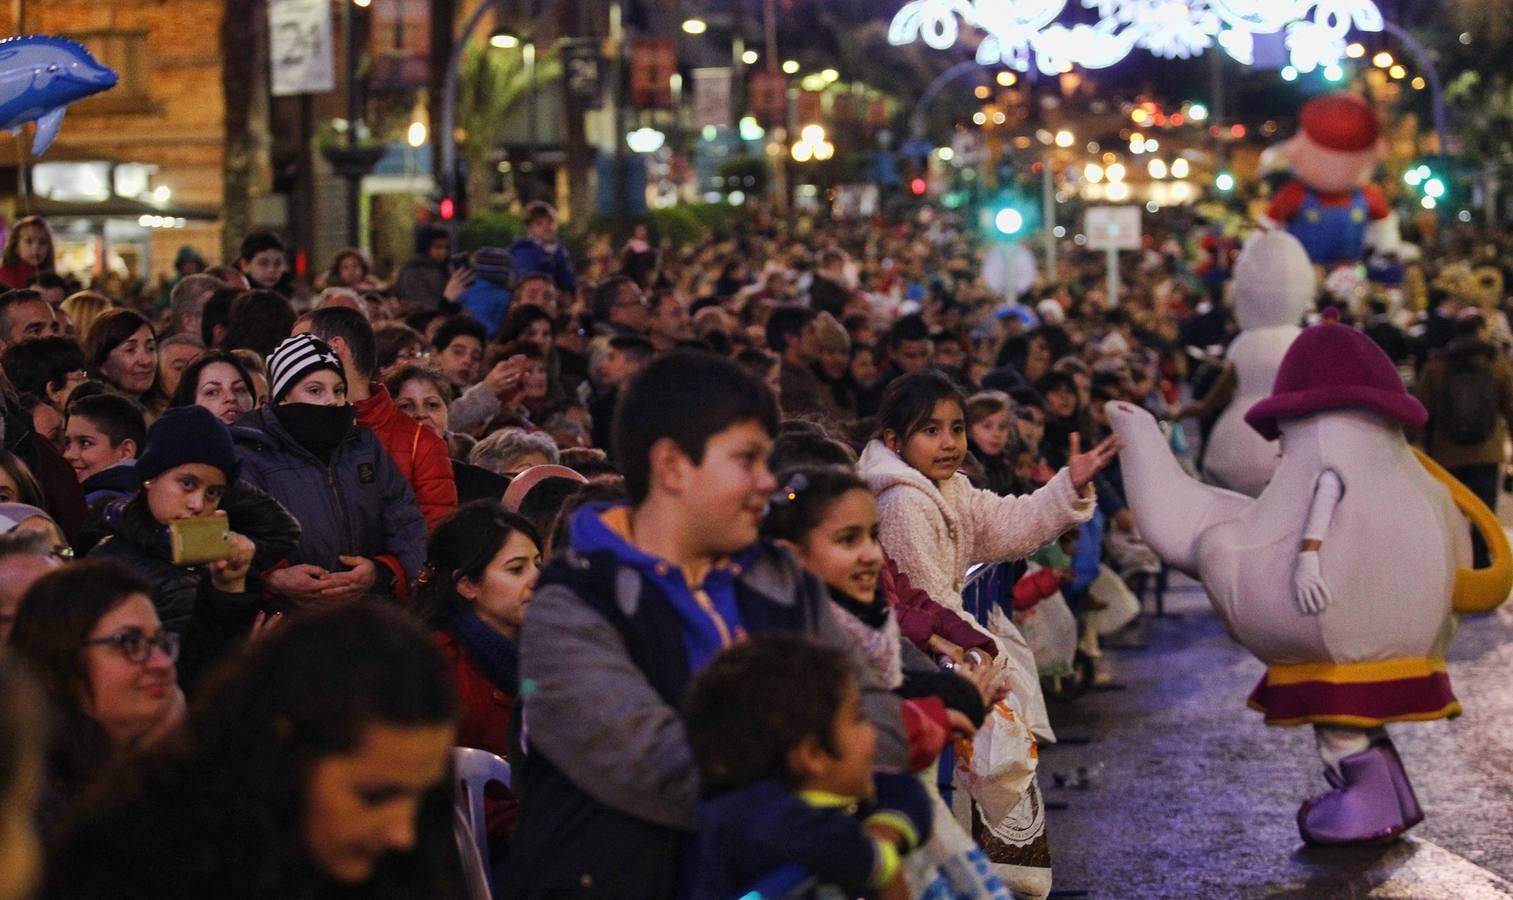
x=1328, y=204
x=1273, y=289
x=1343, y=576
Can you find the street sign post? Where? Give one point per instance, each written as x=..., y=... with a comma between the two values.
x=1111, y=229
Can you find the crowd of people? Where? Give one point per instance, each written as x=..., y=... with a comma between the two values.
x=684, y=534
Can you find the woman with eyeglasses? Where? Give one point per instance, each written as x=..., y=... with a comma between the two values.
x=318, y=769
x=90, y=634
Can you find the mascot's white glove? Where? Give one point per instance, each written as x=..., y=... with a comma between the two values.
x=1308, y=588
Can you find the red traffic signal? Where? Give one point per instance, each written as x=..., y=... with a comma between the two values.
x=448, y=209
x=917, y=187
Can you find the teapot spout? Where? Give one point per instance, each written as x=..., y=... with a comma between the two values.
x=1171, y=508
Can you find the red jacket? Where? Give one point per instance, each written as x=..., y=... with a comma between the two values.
x=420, y=455
x=484, y=724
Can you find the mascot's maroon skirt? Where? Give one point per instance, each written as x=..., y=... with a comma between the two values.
x=1359, y=695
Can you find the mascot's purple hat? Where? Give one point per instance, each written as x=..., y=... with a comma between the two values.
x=1333, y=366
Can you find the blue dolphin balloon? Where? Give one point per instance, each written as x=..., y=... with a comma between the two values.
x=39, y=76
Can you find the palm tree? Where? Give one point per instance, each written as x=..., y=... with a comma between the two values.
x=490, y=87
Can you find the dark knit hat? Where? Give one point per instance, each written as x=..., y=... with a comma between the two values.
x=295, y=358
x=188, y=434
x=494, y=265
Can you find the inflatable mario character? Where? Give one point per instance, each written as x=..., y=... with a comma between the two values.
x=1328, y=204
x=1343, y=576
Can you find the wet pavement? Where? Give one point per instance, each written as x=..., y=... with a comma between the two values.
x=1189, y=795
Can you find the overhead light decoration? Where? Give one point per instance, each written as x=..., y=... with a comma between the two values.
x=1021, y=33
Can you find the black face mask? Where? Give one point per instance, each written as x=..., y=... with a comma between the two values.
x=318, y=429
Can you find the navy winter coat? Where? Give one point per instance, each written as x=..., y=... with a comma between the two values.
x=359, y=505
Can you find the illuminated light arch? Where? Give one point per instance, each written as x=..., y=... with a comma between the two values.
x=1021, y=33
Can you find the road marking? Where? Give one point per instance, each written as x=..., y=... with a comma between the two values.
x=1422, y=870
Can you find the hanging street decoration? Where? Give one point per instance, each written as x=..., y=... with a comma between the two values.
x=1019, y=33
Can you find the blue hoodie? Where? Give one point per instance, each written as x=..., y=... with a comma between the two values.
x=708, y=626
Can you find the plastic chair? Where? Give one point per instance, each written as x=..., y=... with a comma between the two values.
x=474, y=769
x=474, y=872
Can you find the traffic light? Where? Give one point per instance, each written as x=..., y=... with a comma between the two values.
x=1009, y=216
x=917, y=187
x=1432, y=185
x=1224, y=182
x=448, y=209
x=1009, y=221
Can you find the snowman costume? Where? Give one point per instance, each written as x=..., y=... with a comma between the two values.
x=1343, y=576
x=1273, y=289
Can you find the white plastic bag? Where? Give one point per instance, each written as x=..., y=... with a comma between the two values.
x=998, y=766
x=1120, y=605
x=1017, y=661
x=1051, y=631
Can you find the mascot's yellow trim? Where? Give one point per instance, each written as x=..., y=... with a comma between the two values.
x=1476, y=590
x=1450, y=711
x=1354, y=673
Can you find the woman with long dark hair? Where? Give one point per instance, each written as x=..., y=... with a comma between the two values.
x=89, y=632
x=317, y=767
x=481, y=567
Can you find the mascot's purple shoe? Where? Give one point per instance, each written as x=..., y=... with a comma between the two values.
x=1364, y=807
x=1407, y=801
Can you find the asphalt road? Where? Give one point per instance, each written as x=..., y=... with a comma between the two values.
x=1189, y=795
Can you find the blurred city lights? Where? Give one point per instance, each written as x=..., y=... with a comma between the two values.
x=1064, y=138
x=946, y=154
x=749, y=57
x=1092, y=173
x=695, y=26
x=1197, y=112
x=1115, y=173
x=1435, y=188
x=1225, y=182
x=1156, y=168
x=1179, y=168
x=790, y=66
x=979, y=118
x=1334, y=72
x=1355, y=50
x=1382, y=60
x=1008, y=221
x=416, y=135
x=982, y=92
x=1418, y=82
x=1289, y=73
x=830, y=75
x=1007, y=79
x=1397, y=72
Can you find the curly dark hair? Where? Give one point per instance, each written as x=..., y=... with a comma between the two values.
x=757, y=701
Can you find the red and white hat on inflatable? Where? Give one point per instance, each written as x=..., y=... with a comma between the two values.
x=1341, y=121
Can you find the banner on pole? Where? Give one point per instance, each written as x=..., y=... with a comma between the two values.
x=810, y=109
x=399, y=37
x=300, y=37
x=711, y=97
x=653, y=62
x=580, y=70
x=769, y=97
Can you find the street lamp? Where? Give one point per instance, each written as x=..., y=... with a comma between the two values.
x=645, y=140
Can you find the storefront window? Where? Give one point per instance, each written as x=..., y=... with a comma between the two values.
x=77, y=181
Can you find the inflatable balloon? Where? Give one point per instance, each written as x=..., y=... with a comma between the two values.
x=39, y=76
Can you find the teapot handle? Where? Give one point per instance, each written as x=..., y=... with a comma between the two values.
x=1476, y=590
